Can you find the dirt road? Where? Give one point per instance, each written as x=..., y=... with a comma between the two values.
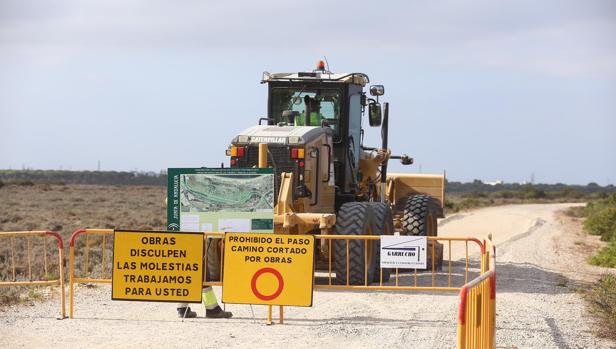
x=540, y=264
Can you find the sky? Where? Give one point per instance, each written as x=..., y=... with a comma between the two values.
x=490, y=90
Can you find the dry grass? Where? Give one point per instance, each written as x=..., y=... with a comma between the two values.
x=66, y=208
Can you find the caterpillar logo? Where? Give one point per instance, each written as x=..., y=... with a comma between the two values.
x=261, y=139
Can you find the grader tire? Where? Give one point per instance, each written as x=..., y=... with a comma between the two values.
x=214, y=270
x=384, y=226
x=420, y=212
x=354, y=218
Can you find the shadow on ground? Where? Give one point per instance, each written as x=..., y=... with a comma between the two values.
x=530, y=278
x=511, y=277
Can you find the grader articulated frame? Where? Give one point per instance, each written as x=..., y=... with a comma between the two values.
x=327, y=180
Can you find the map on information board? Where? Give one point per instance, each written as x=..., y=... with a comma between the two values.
x=220, y=200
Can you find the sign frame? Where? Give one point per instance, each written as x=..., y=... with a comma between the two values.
x=270, y=269
x=174, y=186
x=201, y=267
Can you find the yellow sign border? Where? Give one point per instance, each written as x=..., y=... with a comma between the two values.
x=179, y=300
x=313, y=264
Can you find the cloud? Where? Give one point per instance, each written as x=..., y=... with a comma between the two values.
x=562, y=38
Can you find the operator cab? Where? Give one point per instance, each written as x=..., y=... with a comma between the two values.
x=303, y=107
x=324, y=99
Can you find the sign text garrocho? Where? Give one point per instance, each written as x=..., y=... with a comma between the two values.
x=157, y=266
x=403, y=251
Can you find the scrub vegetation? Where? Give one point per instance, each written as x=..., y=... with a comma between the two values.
x=602, y=304
x=66, y=208
x=64, y=201
x=465, y=196
x=600, y=219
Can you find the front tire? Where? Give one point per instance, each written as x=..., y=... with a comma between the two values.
x=354, y=218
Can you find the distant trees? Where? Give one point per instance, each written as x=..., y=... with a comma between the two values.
x=472, y=190
x=477, y=188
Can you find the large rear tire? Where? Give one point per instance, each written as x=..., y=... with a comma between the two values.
x=420, y=213
x=354, y=218
x=384, y=225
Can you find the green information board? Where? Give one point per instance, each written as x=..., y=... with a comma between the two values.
x=220, y=199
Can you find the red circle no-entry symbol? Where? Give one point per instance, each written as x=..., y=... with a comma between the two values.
x=253, y=284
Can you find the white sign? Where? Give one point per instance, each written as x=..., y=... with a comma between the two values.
x=400, y=251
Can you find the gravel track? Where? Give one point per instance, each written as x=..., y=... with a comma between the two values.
x=540, y=268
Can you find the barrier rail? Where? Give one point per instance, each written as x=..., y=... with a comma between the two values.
x=72, y=279
x=450, y=271
x=107, y=239
x=413, y=285
x=477, y=310
x=46, y=267
x=452, y=277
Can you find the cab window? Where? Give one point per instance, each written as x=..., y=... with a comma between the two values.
x=324, y=105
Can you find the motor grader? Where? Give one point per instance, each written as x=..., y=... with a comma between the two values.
x=327, y=181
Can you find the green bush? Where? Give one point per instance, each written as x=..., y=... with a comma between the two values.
x=602, y=222
x=475, y=195
x=468, y=204
x=602, y=299
x=1, y=184
x=505, y=194
x=606, y=257
x=533, y=193
x=22, y=182
x=576, y=211
x=572, y=193
x=600, y=195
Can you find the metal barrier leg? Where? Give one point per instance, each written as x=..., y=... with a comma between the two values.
x=71, y=273
x=29, y=240
x=62, y=293
x=45, y=257
x=13, y=257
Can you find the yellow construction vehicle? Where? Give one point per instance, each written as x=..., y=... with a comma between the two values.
x=326, y=180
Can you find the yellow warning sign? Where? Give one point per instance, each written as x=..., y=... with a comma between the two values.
x=157, y=266
x=268, y=269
